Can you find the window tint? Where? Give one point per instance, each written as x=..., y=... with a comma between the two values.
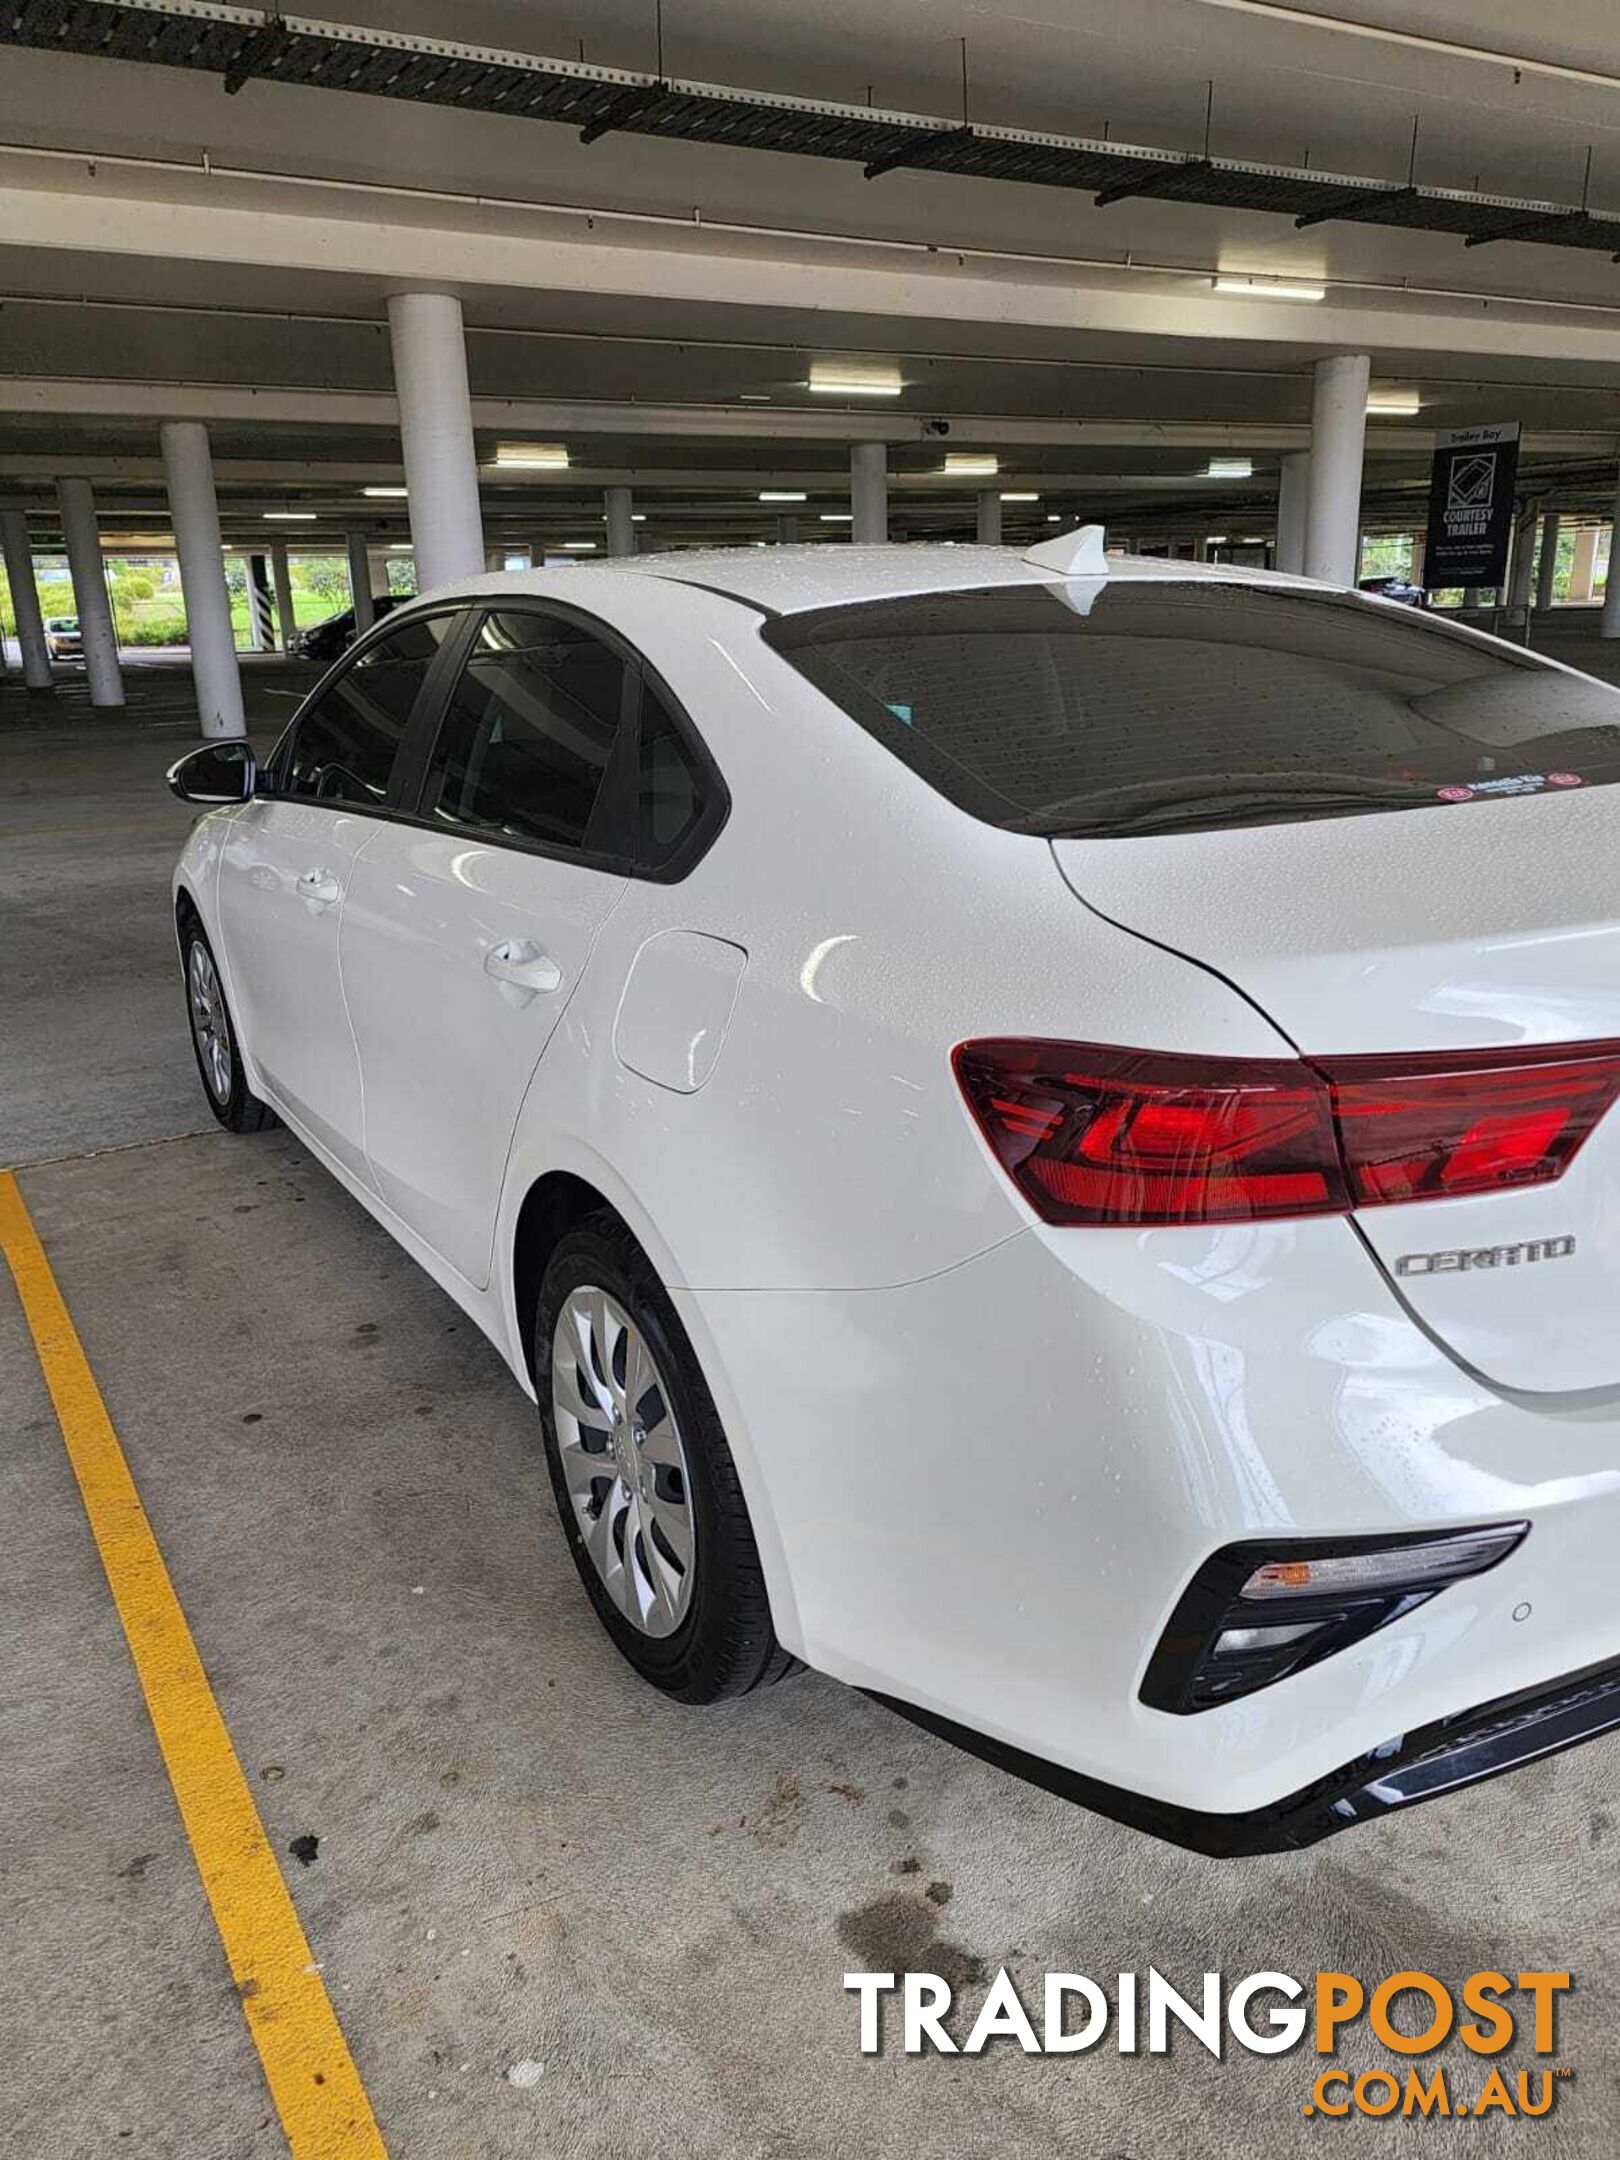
x=1154, y=704
x=344, y=747
x=525, y=743
x=669, y=796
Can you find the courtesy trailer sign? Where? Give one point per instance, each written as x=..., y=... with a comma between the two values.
x=1471, y=506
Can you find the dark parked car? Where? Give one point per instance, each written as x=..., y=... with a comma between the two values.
x=325, y=640
x=1396, y=588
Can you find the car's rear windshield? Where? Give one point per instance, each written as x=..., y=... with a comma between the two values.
x=1144, y=706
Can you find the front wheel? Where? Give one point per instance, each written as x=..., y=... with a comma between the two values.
x=644, y=1481
x=213, y=1040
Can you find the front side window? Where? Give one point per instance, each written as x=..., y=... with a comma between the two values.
x=1137, y=705
x=344, y=745
x=527, y=738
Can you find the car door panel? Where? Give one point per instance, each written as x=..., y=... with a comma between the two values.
x=447, y=1043
x=286, y=870
x=466, y=929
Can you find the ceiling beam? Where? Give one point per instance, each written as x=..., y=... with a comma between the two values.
x=71, y=398
x=108, y=210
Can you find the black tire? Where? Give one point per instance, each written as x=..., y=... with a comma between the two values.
x=238, y=1109
x=724, y=1644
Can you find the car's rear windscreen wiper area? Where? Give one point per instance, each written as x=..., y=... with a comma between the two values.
x=1226, y=798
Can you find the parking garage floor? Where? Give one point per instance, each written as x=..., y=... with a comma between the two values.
x=554, y=1913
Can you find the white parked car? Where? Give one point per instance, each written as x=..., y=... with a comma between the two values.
x=1036, y=1125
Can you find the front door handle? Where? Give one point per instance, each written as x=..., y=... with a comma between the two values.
x=524, y=965
x=320, y=886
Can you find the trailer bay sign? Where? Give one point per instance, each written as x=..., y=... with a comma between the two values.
x=1471, y=506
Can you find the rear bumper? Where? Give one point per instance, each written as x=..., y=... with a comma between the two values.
x=984, y=1494
x=1453, y=1752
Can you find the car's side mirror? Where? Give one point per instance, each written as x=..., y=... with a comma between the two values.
x=220, y=772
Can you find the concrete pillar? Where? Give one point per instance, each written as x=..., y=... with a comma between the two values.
x=1547, y=568
x=260, y=632
x=1471, y=596
x=1338, y=434
x=1420, y=548
x=436, y=434
x=194, y=508
x=869, y=491
x=1610, y=626
x=618, y=507
x=360, y=578
x=1293, y=492
x=787, y=530
x=89, y=571
x=19, y=556
x=990, y=516
x=1583, y=569
x=281, y=577
x=1521, y=565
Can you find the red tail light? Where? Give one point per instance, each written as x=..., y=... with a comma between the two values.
x=1093, y=1135
x=1435, y=1126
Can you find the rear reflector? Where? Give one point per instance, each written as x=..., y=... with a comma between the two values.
x=1108, y=1136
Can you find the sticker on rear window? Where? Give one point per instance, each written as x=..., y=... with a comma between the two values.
x=1527, y=783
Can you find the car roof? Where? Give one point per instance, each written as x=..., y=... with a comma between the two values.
x=791, y=580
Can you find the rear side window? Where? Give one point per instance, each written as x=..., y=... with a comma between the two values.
x=344, y=746
x=1149, y=706
x=671, y=795
x=526, y=742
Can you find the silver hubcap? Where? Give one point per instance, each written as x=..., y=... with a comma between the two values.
x=623, y=1461
x=210, y=1029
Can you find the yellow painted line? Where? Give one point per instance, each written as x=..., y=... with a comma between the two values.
x=312, y=2077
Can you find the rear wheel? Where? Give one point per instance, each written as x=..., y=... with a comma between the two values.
x=644, y=1481
x=213, y=1039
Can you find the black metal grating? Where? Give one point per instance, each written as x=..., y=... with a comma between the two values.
x=252, y=45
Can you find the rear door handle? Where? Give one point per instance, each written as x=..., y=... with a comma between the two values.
x=524, y=965
x=320, y=886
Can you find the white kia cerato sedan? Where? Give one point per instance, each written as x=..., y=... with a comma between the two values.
x=1040, y=1128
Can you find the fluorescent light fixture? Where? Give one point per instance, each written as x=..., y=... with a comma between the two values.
x=1215, y=539
x=1404, y=402
x=1019, y=495
x=1053, y=518
x=579, y=547
x=532, y=456
x=1230, y=468
x=837, y=517
x=291, y=517
x=384, y=494
x=638, y=517
x=399, y=547
x=783, y=495
x=754, y=397
x=964, y=462
x=1261, y=288
x=833, y=380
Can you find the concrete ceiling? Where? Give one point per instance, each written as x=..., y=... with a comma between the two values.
x=155, y=234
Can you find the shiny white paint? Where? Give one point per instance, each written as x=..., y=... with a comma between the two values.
x=446, y=1037
x=982, y=1456
x=677, y=1004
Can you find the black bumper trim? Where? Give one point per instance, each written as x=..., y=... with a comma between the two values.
x=1464, y=1749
